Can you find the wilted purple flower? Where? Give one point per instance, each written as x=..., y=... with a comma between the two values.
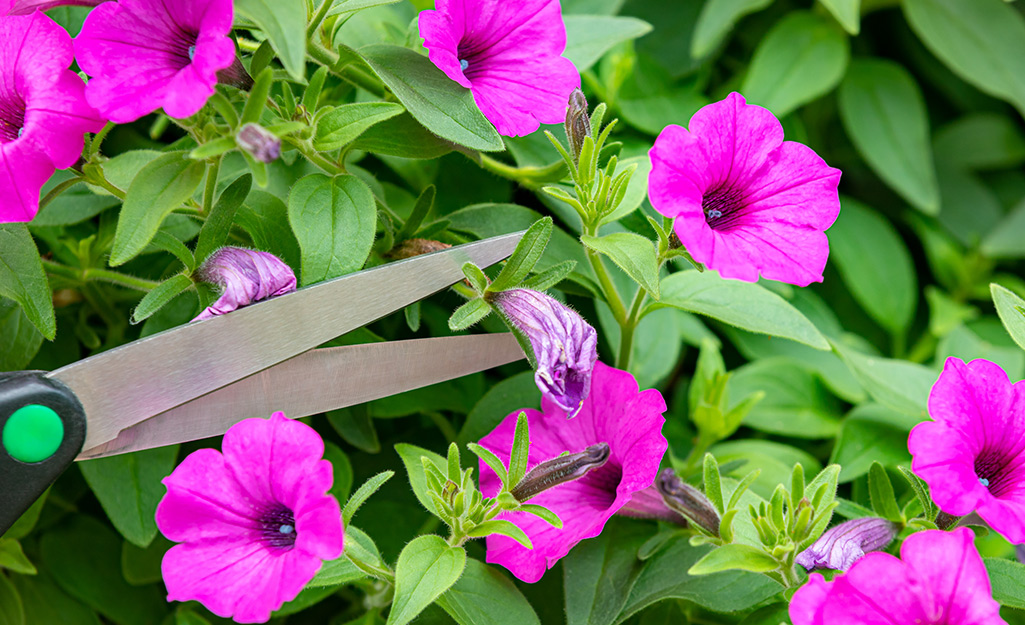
x=144, y=55
x=508, y=54
x=690, y=502
x=25, y=7
x=565, y=346
x=649, y=504
x=972, y=454
x=43, y=111
x=939, y=580
x=259, y=143
x=578, y=122
x=841, y=546
x=744, y=201
x=628, y=421
x=246, y=276
x=559, y=470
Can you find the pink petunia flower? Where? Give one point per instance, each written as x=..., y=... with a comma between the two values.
x=508, y=54
x=245, y=277
x=43, y=111
x=255, y=522
x=939, y=580
x=615, y=413
x=972, y=454
x=145, y=55
x=744, y=200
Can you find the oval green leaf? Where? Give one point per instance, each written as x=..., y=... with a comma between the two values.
x=1011, y=309
x=717, y=19
x=427, y=567
x=23, y=280
x=342, y=125
x=284, y=23
x=588, y=37
x=483, y=596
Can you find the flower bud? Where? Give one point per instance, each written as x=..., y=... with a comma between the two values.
x=842, y=546
x=649, y=504
x=688, y=501
x=560, y=470
x=578, y=122
x=259, y=143
x=246, y=276
x=415, y=247
x=27, y=7
x=565, y=346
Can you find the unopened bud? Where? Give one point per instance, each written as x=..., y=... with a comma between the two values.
x=235, y=75
x=578, y=122
x=688, y=501
x=259, y=143
x=561, y=470
x=842, y=546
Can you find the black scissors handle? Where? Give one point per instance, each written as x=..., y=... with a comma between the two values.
x=42, y=430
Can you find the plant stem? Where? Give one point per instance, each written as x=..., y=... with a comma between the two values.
x=318, y=19
x=56, y=191
x=351, y=74
x=94, y=146
x=92, y=274
x=626, y=330
x=530, y=177
x=211, y=185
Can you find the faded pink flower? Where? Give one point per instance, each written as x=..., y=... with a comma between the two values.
x=144, y=55
x=508, y=54
x=939, y=580
x=255, y=522
x=43, y=111
x=25, y=7
x=972, y=454
x=841, y=546
x=744, y=200
x=615, y=413
x=245, y=277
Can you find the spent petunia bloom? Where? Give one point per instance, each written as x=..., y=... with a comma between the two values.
x=565, y=346
x=841, y=546
x=26, y=7
x=43, y=111
x=508, y=54
x=939, y=580
x=972, y=454
x=744, y=200
x=628, y=421
x=255, y=522
x=245, y=276
x=144, y=55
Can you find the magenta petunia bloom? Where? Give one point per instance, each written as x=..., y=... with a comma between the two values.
x=972, y=454
x=144, y=55
x=25, y=7
x=744, y=200
x=255, y=522
x=43, y=111
x=565, y=346
x=841, y=546
x=939, y=580
x=245, y=276
x=508, y=54
x=615, y=413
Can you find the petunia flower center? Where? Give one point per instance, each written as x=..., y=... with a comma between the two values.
x=722, y=207
x=12, y=118
x=463, y=64
x=469, y=54
x=183, y=47
x=999, y=470
x=277, y=528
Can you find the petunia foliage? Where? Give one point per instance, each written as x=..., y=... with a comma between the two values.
x=769, y=294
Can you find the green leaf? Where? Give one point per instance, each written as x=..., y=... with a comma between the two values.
x=599, y=573
x=549, y=277
x=871, y=433
x=284, y=23
x=218, y=224
x=502, y=527
x=847, y=12
x=364, y=492
x=541, y=512
x=476, y=277
x=424, y=204
x=468, y=314
x=884, y=114
x=11, y=610
x=334, y=220
x=21, y=340
x=355, y=425
x=981, y=141
x=84, y=557
x=484, y=596
x=345, y=123
x=342, y=466
x=44, y=602
x=22, y=278
x=734, y=557
x=899, y=384
x=527, y=253
x=160, y=187
x=1011, y=309
x=803, y=57
x=1008, y=579
x=1004, y=239
x=405, y=137
x=712, y=482
x=160, y=296
x=875, y=264
x=142, y=566
x=717, y=19
x=588, y=37
x=257, y=99
x=742, y=304
x=493, y=461
x=427, y=567
x=633, y=254
x=980, y=41
x=351, y=6
x=343, y=571
x=411, y=455
x=880, y=491
x=795, y=402
x=12, y=557
x=128, y=487
x=435, y=100
x=519, y=457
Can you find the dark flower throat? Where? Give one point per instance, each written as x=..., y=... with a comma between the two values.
x=277, y=528
x=722, y=207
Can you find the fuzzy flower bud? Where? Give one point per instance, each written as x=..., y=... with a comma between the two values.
x=560, y=470
x=843, y=545
x=246, y=276
x=688, y=501
x=578, y=122
x=565, y=346
x=259, y=143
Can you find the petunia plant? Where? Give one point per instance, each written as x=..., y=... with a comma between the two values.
x=768, y=293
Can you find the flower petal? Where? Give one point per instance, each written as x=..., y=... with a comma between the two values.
x=24, y=169
x=945, y=459
x=737, y=139
x=878, y=590
x=807, y=603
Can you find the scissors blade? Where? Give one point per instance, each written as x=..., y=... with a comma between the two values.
x=134, y=382
x=317, y=381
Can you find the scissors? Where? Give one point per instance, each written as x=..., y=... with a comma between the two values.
x=197, y=380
